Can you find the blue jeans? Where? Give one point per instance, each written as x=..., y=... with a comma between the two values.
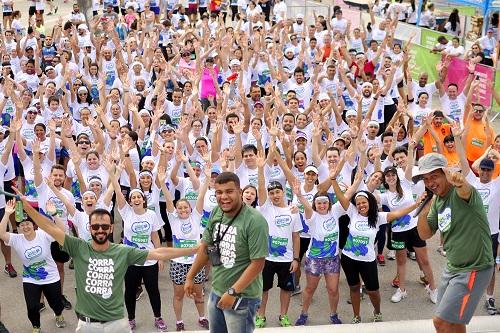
x=241, y=320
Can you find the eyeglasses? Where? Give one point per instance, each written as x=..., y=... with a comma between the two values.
x=104, y=227
x=83, y=142
x=479, y=110
x=32, y=112
x=82, y=94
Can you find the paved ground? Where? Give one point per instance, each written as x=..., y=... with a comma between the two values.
x=416, y=306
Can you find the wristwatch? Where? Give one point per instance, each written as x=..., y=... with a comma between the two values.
x=232, y=292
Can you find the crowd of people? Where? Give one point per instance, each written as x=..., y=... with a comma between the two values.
x=139, y=114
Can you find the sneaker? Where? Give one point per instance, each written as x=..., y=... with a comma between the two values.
x=160, y=325
x=433, y=294
x=356, y=320
x=297, y=290
x=3, y=329
x=260, y=321
x=71, y=264
x=36, y=330
x=60, y=323
x=398, y=296
x=423, y=280
x=301, y=321
x=391, y=255
x=284, y=321
x=66, y=303
x=10, y=271
x=139, y=293
x=412, y=255
x=49, y=14
x=203, y=322
x=490, y=306
x=335, y=320
x=395, y=281
x=132, y=324
x=441, y=251
x=179, y=327
x=41, y=307
x=381, y=259
x=377, y=317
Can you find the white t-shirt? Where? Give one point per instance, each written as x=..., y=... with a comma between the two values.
x=185, y=233
x=45, y=194
x=454, y=108
x=38, y=266
x=360, y=244
x=394, y=202
x=186, y=188
x=490, y=194
x=247, y=175
x=281, y=224
x=324, y=230
x=137, y=229
x=209, y=204
x=82, y=223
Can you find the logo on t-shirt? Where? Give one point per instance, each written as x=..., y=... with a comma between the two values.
x=444, y=219
x=329, y=224
x=227, y=245
x=282, y=220
x=99, y=277
x=33, y=252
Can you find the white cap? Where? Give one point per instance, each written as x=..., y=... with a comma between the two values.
x=83, y=26
x=373, y=123
x=310, y=168
x=300, y=16
x=82, y=89
x=235, y=62
x=289, y=49
x=323, y=96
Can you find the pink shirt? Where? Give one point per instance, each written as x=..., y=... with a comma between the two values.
x=207, y=83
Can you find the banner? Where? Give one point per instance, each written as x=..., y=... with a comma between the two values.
x=460, y=73
x=428, y=38
x=422, y=60
x=496, y=106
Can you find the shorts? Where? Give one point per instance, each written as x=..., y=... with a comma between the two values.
x=8, y=184
x=192, y=9
x=178, y=273
x=460, y=293
x=354, y=268
x=6, y=14
x=304, y=246
x=322, y=266
x=282, y=269
x=343, y=230
x=406, y=239
x=155, y=10
x=57, y=253
x=494, y=244
x=18, y=166
x=31, y=10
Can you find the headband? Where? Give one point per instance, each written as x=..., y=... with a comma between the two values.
x=138, y=191
x=321, y=197
x=146, y=173
x=361, y=194
x=89, y=192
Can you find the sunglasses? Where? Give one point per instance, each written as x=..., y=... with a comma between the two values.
x=479, y=110
x=104, y=227
x=32, y=112
x=82, y=94
x=83, y=142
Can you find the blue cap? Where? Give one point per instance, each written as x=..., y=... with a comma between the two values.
x=487, y=164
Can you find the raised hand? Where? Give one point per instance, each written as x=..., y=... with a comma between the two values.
x=456, y=129
x=454, y=178
x=261, y=159
x=10, y=206
x=50, y=207
x=162, y=174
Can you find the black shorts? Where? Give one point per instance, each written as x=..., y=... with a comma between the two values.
x=202, y=10
x=494, y=244
x=7, y=185
x=343, y=230
x=7, y=14
x=304, y=245
x=282, y=269
x=354, y=268
x=32, y=10
x=406, y=240
x=57, y=253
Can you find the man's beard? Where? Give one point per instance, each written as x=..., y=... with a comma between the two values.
x=99, y=241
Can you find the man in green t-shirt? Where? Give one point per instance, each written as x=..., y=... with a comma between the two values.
x=100, y=268
x=458, y=212
x=235, y=242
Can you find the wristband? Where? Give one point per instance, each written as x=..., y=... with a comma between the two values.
x=127, y=155
x=53, y=215
x=297, y=260
x=498, y=260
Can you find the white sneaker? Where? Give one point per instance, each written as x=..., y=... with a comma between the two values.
x=412, y=255
x=433, y=294
x=391, y=255
x=398, y=296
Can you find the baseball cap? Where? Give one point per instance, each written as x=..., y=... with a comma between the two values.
x=300, y=16
x=429, y=163
x=487, y=163
x=49, y=67
x=311, y=168
x=258, y=103
x=373, y=123
x=323, y=96
x=216, y=170
x=391, y=169
x=235, y=62
x=274, y=185
x=301, y=135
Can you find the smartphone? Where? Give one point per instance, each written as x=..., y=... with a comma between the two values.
x=59, y=92
x=236, y=303
x=477, y=77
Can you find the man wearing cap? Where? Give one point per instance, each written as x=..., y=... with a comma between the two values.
x=457, y=211
x=488, y=44
x=284, y=245
x=299, y=26
x=489, y=191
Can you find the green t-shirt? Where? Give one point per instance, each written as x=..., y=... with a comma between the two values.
x=246, y=239
x=465, y=231
x=100, y=275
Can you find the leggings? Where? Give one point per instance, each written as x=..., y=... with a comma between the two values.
x=32, y=293
x=133, y=278
x=380, y=238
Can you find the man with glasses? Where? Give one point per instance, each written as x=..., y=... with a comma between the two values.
x=480, y=135
x=100, y=268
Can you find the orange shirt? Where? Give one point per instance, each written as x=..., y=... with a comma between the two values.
x=475, y=142
x=451, y=157
x=496, y=172
x=429, y=143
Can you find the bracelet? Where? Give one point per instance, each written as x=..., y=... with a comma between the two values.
x=297, y=260
x=127, y=155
